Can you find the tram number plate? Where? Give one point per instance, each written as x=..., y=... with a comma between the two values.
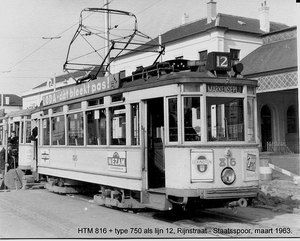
x=227, y=162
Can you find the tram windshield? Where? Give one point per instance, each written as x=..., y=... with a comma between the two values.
x=225, y=119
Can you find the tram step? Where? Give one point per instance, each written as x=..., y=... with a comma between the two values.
x=157, y=200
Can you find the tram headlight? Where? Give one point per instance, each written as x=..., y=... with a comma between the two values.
x=228, y=176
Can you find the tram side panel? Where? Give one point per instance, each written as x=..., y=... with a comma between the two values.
x=112, y=167
x=197, y=172
x=26, y=156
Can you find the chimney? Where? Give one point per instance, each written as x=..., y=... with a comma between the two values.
x=211, y=11
x=185, y=18
x=264, y=21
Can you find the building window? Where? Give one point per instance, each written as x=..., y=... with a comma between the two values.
x=291, y=120
x=235, y=55
x=122, y=74
x=203, y=55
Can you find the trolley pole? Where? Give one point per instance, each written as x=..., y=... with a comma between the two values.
x=106, y=23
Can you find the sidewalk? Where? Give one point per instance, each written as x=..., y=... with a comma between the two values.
x=289, y=162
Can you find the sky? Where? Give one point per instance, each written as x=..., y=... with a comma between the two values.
x=30, y=54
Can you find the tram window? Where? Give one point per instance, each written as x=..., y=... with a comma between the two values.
x=1, y=135
x=75, y=106
x=117, y=97
x=28, y=131
x=192, y=119
x=75, y=129
x=118, y=125
x=225, y=119
x=46, y=131
x=96, y=126
x=135, y=125
x=191, y=87
x=251, y=90
x=99, y=101
x=58, y=130
x=250, y=117
x=57, y=109
x=22, y=132
x=173, y=121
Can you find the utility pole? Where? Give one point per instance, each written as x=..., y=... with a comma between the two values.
x=107, y=43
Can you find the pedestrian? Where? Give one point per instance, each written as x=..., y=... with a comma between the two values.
x=13, y=149
x=11, y=158
x=2, y=162
x=14, y=140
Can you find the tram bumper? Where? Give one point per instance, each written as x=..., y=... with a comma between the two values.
x=224, y=193
x=234, y=195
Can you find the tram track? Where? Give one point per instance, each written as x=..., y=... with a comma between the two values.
x=54, y=215
x=39, y=217
x=219, y=222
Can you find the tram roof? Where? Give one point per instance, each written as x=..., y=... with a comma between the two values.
x=184, y=77
x=19, y=113
x=128, y=85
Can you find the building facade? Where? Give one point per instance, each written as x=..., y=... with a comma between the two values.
x=274, y=65
x=9, y=103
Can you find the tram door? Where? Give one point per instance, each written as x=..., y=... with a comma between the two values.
x=155, y=127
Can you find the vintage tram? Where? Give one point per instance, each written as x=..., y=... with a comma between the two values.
x=18, y=157
x=22, y=124
x=175, y=133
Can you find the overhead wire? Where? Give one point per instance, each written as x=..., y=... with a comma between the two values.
x=59, y=36
x=50, y=39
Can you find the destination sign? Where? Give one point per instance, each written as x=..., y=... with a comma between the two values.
x=98, y=85
x=224, y=89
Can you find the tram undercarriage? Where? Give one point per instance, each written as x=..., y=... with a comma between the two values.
x=157, y=199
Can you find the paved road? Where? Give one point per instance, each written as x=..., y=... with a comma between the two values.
x=41, y=214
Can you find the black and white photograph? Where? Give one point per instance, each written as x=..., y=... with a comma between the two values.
x=157, y=119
